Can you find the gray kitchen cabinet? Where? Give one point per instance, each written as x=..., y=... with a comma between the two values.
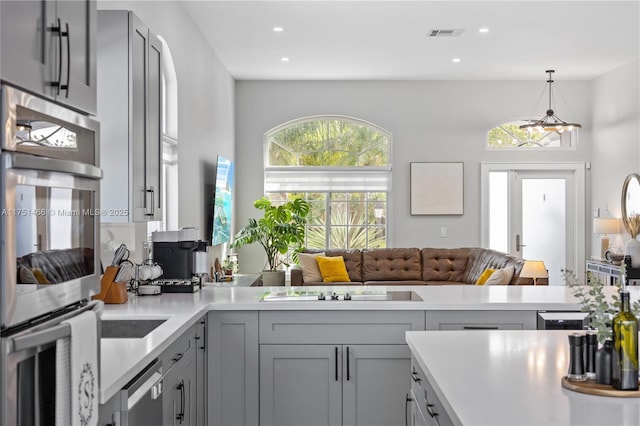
x=201, y=372
x=482, y=320
x=48, y=48
x=347, y=368
x=426, y=408
x=178, y=401
x=300, y=385
x=129, y=110
x=333, y=384
x=232, y=370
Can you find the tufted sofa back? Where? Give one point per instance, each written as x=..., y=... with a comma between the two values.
x=440, y=264
x=397, y=264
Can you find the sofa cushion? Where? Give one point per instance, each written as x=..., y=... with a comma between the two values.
x=332, y=269
x=391, y=264
x=440, y=264
x=352, y=260
x=484, y=276
x=309, y=265
x=501, y=276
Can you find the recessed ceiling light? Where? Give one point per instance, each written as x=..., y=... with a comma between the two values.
x=456, y=60
x=284, y=59
x=278, y=29
x=483, y=30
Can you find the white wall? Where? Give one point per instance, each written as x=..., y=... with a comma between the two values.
x=429, y=120
x=205, y=106
x=616, y=141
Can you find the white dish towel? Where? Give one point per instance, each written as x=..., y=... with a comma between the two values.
x=77, y=373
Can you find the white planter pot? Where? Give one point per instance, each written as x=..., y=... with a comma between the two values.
x=632, y=249
x=277, y=278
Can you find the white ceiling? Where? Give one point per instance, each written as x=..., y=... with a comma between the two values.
x=373, y=40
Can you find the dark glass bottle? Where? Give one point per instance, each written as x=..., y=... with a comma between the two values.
x=625, y=347
x=604, y=356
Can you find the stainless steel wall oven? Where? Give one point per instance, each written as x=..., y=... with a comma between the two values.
x=49, y=207
x=49, y=260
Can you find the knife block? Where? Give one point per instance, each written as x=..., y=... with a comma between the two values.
x=110, y=291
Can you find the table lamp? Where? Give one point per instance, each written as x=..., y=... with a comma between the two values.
x=534, y=269
x=604, y=226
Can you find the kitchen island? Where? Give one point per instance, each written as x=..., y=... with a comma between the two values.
x=508, y=378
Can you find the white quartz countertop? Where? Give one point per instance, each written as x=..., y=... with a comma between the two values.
x=121, y=359
x=511, y=378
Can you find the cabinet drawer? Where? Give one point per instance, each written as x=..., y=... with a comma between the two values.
x=338, y=327
x=481, y=320
x=425, y=398
x=179, y=354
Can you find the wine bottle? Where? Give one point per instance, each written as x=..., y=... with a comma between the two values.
x=625, y=346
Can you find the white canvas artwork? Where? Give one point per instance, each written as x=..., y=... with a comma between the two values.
x=437, y=188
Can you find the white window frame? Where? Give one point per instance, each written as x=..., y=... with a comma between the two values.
x=329, y=179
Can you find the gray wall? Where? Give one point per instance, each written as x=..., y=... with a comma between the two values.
x=616, y=141
x=429, y=120
x=205, y=105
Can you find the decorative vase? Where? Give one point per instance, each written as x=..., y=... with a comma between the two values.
x=275, y=278
x=632, y=249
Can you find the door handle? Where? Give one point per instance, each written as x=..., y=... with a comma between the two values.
x=336, y=354
x=66, y=34
x=149, y=211
x=58, y=29
x=519, y=243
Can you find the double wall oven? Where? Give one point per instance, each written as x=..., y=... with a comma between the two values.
x=49, y=234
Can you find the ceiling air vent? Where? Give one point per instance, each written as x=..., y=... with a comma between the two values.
x=445, y=33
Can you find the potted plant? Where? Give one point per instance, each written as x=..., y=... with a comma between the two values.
x=281, y=228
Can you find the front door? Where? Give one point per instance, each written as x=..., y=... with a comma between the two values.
x=533, y=213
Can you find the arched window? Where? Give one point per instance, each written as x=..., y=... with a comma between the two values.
x=508, y=135
x=169, y=143
x=342, y=167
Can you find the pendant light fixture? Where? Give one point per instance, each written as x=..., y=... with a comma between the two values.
x=550, y=122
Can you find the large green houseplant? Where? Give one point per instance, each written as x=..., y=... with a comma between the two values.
x=281, y=228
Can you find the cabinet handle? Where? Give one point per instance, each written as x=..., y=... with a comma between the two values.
x=66, y=34
x=149, y=191
x=430, y=410
x=58, y=29
x=336, y=348
x=407, y=400
x=415, y=378
x=480, y=327
x=178, y=357
x=180, y=415
x=348, y=365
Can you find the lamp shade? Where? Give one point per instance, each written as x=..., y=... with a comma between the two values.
x=533, y=269
x=603, y=225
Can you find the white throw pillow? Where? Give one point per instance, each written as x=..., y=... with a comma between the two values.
x=309, y=264
x=501, y=276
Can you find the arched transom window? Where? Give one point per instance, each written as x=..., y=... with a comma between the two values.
x=342, y=166
x=509, y=135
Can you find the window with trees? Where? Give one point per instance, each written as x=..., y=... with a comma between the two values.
x=342, y=167
x=509, y=135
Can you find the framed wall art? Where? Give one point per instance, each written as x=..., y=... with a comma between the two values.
x=437, y=188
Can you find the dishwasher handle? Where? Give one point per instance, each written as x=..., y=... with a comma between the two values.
x=148, y=381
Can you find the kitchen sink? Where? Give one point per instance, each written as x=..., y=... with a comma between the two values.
x=128, y=328
x=358, y=295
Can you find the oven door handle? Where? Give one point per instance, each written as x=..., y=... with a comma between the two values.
x=15, y=160
x=47, y=333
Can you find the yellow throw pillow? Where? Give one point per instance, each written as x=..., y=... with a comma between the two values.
x=333, y=269
x=40, y=276
x=484, y=276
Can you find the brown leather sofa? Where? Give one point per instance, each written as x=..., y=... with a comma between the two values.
x=413, y=266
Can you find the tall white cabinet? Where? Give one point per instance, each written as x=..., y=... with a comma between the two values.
x=49, y=48
x=129, y=110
